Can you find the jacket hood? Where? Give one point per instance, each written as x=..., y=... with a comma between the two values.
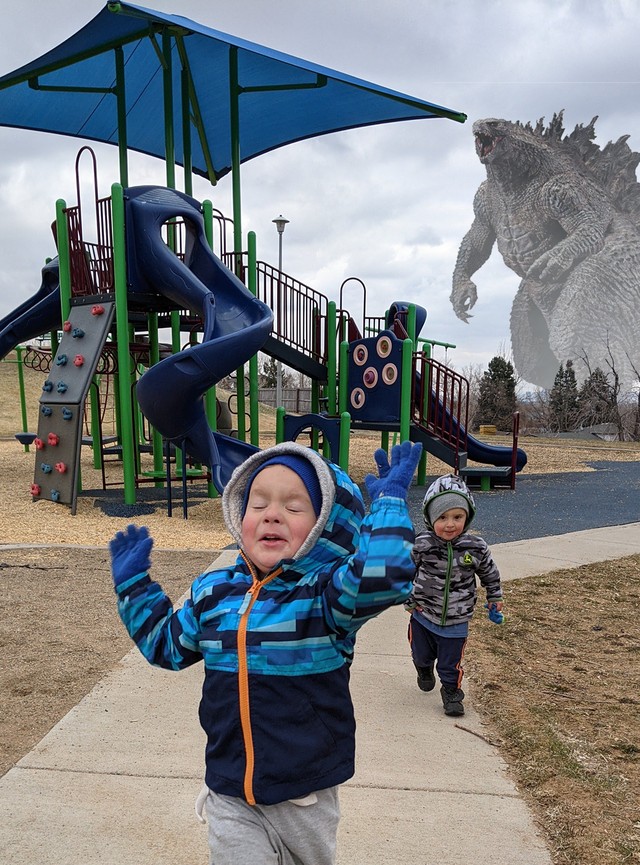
x=336, y=532
x=448, y=485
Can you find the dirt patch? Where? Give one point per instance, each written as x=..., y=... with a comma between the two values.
x=559, y=687
x=60, y=633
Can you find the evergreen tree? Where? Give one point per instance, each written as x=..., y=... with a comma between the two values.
x=497, y=394
x=268, y=373
x=597, y=403
x=563, y=401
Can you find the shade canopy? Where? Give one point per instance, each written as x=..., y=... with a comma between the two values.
x=166, y=86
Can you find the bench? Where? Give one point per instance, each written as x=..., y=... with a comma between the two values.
x=486, y=477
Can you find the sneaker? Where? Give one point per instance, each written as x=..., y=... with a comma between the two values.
x=426, y=678
x=452, y=698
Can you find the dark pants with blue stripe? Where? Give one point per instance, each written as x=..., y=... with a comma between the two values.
x=428, y=648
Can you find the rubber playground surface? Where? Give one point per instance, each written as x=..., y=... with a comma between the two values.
x=553, y=504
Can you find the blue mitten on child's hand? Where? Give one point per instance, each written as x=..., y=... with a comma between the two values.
x=130, y=553
x=394, y=479
x=495, y=615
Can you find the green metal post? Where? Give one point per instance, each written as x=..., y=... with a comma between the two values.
x=210, y=397
x=23, y=400
x=186, y=133
x=411, y=322
x=343, y=381
x=170, y=163
x=123, y=151
x=280, y=413
x=406, y=387
x=234, y=115
x=154, y=358
x=332, y=361
x=254, y=408
x=345, y=438
x=63, y=259
x=122, y=335
x=94, y=404
x=422, y=465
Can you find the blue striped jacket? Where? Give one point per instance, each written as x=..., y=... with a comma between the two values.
x=276, y=707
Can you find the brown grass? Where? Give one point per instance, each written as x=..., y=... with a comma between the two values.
x=557, y=685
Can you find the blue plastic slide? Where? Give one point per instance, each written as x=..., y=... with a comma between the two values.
x=495, y=455
x=236, y=325
x=37, y=315
x=478, y=451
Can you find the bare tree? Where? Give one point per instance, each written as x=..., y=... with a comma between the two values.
x=609, y=388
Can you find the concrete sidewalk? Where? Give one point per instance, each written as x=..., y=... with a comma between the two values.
x=115, y=780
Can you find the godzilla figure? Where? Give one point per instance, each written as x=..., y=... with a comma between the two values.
x=565, y=216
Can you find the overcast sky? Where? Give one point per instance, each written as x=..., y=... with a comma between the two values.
x=388, y=205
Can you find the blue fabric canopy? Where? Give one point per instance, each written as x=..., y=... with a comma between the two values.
x=129, y=68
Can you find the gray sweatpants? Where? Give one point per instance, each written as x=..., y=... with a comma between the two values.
x=282, y=834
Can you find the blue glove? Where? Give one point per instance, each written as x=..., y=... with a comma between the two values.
x=495, y=615
x=394, y=479
x=130, y=553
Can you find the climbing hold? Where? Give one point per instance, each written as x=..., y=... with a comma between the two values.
x=67, y=414
x=61, y=467
x=53, y=439
x=360, y=354
x=46, y=410
x=370, y=377
x=61, y=387
x=77, y=333
x=55, y=495
x=389, y=373
x=61, y=360
x=66, y=326
x=384, y=346
x=35, y=490
x=39, y=444
x=46, y=468
x=47, y=386
x=78, y=360
x=97, y=310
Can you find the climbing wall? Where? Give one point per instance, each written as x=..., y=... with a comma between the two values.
x=62, y=402
x=374, y=381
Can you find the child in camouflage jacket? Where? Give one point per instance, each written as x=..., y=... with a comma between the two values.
x=448, y=559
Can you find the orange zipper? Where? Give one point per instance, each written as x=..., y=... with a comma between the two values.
x=243, y=676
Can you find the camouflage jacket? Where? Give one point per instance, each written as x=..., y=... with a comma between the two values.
x=444, y=587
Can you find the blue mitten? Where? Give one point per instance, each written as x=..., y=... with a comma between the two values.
x=394, y=479
x=495, y=615
x=130, y=553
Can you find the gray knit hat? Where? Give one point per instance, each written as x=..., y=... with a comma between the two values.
x=444, y=502
x=446, y=492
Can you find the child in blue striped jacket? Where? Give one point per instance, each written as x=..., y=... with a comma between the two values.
x=276, y=633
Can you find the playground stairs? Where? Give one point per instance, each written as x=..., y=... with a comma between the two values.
x=60, y=418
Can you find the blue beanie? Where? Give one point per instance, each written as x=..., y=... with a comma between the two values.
x=302, y=467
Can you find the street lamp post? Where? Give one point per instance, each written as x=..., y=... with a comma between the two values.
x=280, y=223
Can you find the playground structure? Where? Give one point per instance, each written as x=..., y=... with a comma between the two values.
x=160, y=240
x=154, y=264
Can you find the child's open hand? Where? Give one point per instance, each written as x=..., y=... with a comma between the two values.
x=394, y=479
x=130, y=553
